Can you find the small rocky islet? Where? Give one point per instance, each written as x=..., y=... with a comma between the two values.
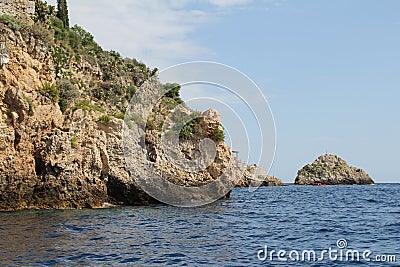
x=331, y=170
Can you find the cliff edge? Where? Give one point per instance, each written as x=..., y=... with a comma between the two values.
x=63, y=104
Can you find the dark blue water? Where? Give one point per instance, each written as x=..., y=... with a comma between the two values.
x=226, y=233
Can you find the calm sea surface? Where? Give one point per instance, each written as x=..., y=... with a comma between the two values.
x=226, y=233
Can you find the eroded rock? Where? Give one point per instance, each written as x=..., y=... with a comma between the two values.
x=331, y=170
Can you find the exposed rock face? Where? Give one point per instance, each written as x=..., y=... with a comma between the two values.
x=70, y=153
x=273, y=181
x=74, y=160
x=203, y=173
x=212, y=114
x=23, y=9
x=255, y=176
x=331, y=170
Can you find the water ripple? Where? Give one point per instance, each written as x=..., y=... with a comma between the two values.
x=225, y=233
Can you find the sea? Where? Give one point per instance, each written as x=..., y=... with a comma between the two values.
x=272, y=226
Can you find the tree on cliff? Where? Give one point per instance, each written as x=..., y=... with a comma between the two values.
x=62, y=12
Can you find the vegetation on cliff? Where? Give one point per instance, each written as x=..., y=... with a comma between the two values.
x=62, y=104
x=63, y=109
x=62, y=12
x=114, y=80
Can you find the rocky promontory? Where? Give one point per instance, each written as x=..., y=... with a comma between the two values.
x=331, y=170
x=64, y=105
x=255, y=176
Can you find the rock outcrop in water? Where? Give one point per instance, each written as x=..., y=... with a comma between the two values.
x=255, y=176
x=331, y=170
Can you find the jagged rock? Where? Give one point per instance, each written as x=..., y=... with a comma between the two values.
x=273, y=181
x=182, y=163
x=212, y=114
x=23, y=9
x=72, y=160
x=255, y=176
x=50, y=159
x=331, y=170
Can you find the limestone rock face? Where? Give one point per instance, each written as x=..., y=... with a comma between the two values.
x=212, y=114
x=74, y=160
x=255, y=176
x=23, y=9
x=198, y=161
x=331, y=170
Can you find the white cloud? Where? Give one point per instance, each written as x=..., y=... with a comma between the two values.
x=156, y=32
x=226, y=3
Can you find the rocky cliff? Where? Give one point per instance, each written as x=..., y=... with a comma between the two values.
x=51, y=159
x=23, y=9
x=331, y=170
x=62, y=114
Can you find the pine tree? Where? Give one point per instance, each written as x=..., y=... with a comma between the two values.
x=62, y=12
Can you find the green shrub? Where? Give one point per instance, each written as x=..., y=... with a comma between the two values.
x=40, y=31
x=12, y=22
x=56, y=23
x=218, y=135
x=43, y=11
x=63, y=104
x=78, y=38
x=85, y=37
x=119, y=115
x=188, y=129
x=51, y=91
x=104, y=119
x=72, y=39
x=130, y=91
x=68, y=93
x=195, y=114
x=110, y=64
x=87, y=105
x=172, y=91
x=61, y=60
x=137, y=70
x=67, y=88
x=169, y=103
x=74, y=142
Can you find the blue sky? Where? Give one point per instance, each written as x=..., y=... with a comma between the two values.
x=329, y=69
